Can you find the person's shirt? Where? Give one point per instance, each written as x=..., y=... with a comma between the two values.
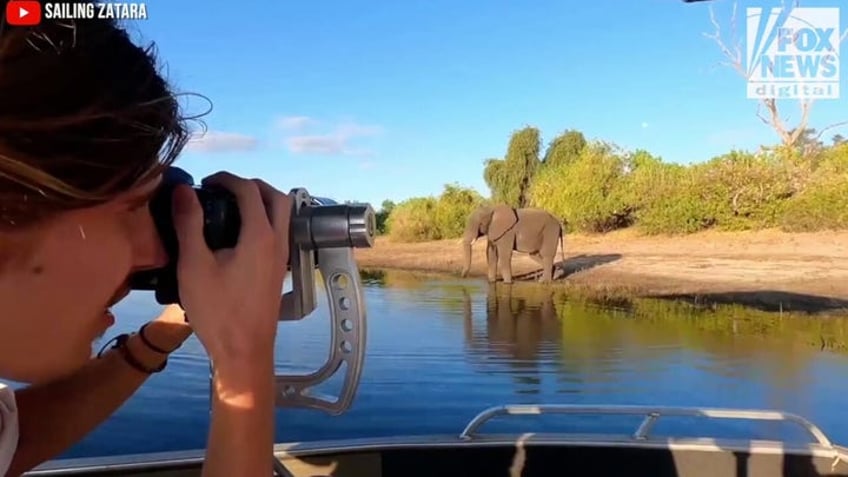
x=8, y=427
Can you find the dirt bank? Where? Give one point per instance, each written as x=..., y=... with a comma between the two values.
x=769, y=270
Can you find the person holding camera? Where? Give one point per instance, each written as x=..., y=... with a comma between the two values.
x=87, y=126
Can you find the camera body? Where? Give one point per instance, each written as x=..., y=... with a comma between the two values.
x=317, y=223
x=322, y=236
x=221, y=225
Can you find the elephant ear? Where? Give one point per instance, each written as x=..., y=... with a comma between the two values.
x=503, y=219
x=478, y=221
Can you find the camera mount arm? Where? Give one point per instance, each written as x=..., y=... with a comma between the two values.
x=324, y=236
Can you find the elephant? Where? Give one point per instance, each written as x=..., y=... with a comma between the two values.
x=507, y=229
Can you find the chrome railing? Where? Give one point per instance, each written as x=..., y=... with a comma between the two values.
x=651, y=416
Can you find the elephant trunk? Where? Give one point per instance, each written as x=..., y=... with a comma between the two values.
x=466, y=249
x=467, y=239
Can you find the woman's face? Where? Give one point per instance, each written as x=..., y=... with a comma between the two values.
x=55, y=295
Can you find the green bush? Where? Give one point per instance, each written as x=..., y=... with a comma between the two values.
x=679, y=209
x=823, y=204
x=429, y=218
x=584, y=193
x=453, y=208
x=599, y=188
x=413, y=220
x=382, y=216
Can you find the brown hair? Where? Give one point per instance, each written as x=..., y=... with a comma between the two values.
x=84, y=116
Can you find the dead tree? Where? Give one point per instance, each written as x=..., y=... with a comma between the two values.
x=789, y=136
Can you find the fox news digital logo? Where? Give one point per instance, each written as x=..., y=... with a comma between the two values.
x=793, y=53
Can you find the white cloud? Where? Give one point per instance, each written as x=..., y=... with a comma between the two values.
x=644, y=125
x=338, y=141
x=219, y=141
x=295, y=123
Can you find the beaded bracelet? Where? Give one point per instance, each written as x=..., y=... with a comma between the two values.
x=151, y=345
x=121, y=346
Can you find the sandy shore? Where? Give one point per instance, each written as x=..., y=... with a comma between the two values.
x=770, y=270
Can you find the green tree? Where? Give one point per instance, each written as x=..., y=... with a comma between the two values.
x=602, y=188
x=509, y=178
x=496, y=179
x=565, y=148
x=382, y=215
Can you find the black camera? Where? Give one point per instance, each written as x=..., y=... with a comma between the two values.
x=315, y=224
x=221, y=224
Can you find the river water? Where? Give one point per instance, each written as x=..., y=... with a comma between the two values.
x=440, y=350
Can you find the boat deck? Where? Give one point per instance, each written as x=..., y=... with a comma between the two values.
x=473, y=453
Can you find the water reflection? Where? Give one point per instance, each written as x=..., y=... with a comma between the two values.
x=520, y=331
x=555, y=347
x=441, y=349
x=644, y=352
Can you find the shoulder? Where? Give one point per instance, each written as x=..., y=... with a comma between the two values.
x=8, y=426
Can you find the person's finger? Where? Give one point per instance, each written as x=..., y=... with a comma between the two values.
x=254, y=220
x=188, y=224
x=278, y=207
x=172, y=313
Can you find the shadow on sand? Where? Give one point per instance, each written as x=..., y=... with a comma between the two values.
x=571, y=265
x=765, y=300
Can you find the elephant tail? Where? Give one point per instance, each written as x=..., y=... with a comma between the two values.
x=562, y=242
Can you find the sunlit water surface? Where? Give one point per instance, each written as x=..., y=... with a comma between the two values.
x=442, y=350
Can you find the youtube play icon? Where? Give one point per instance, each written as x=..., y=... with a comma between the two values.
x=23, y=12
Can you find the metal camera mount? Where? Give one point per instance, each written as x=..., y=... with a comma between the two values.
x=324, y=234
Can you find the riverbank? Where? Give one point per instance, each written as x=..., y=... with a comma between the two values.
x=769, y=270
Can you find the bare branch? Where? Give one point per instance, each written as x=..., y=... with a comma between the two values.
x=732, y=51
x=829, y=127
x=775, y=121
x=734, y=56
x=802, y=124
x=734, y=33
x=760, y=114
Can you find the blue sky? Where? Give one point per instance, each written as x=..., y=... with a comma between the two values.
x=388, y=100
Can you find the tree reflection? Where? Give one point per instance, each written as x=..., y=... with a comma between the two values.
x=545, y=340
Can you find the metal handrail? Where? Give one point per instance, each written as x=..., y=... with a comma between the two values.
x=651, y=413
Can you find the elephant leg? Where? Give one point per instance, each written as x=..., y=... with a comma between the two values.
x=550, y=244
x=492, y=261
x=547, y=268
x=504, y=251
x=537, y=257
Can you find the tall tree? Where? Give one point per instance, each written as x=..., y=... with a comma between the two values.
x=509, y=178
x=565, y=148
x=495, y=178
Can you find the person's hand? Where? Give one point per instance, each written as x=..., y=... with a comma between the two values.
x=169, y=330
x=232, y=296
x=172, y=314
